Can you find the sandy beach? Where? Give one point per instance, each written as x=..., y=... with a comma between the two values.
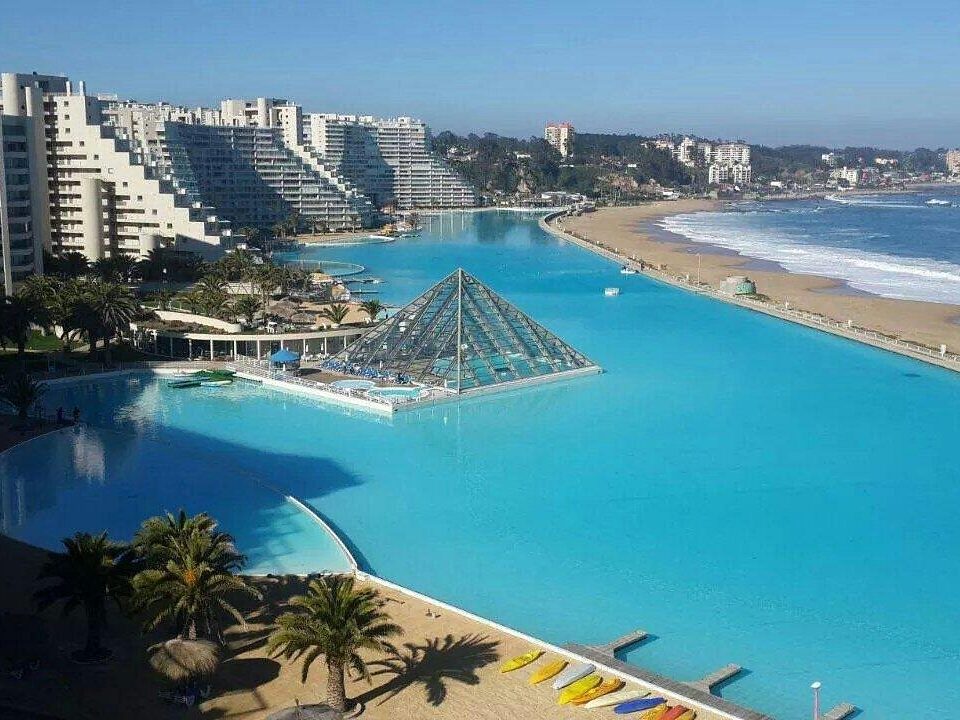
x=627, y=231
x=446, y=665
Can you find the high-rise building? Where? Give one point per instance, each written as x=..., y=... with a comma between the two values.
x=561, y=136
x=730, y=163
x=730, y=153
x=101, y=176
x=953, y=162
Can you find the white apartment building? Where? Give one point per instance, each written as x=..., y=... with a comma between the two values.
x=561, y=136
x=685, y=152
x=733, y=173
x=731, y=153
x=953, y=161
x=850, y=175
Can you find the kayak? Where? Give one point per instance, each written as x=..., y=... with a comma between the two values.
x=616, y=698
x=216, y=382
x=604, y=688
x=688, y=715
x=676, y=712
x=520, y=661
x=578, y=688
x=183, y=383
x=637, y=705
x=547, y=671
x=572, y=674
x=656, y=714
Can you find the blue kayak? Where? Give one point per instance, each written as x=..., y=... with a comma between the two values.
x=633, y=706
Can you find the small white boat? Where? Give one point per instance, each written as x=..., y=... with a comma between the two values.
x=572, y=674
x=215, y=383
x=615, y=698
x=934, y=201
x=611, y=291
x=627, y=270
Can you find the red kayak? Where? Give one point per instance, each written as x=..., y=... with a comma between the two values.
x=674, y=712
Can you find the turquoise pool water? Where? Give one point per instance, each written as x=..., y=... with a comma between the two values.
x=398, y=393
x=746, y=490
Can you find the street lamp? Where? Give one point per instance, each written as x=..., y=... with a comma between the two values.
x=816, y=699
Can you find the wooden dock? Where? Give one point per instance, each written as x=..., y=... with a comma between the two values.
x=681, y=690
x=840, y=712
x=627, y=640
x=717, y=677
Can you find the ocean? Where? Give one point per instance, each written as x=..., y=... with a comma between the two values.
x=904, y=245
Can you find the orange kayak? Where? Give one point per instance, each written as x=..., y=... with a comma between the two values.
x=675, y=713
x=604, y=688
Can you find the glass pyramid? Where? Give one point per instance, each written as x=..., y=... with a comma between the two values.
x=462, y=336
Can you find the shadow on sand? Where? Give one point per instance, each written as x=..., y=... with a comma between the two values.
x=433, y=664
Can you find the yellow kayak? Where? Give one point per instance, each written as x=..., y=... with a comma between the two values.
x=520, y=661
x=611, y=685
x=656, y=713
x=688, y=715
x=547, y=671
x=578, y=688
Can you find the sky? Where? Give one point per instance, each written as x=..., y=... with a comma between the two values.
x=831, y=73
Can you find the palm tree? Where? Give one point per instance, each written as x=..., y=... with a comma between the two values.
x=337, y=620
x=92, y=571
x=246, y=307
x=18, y=313
x=116, y=268
x=190, y=568
x=151, y=267
x=72, y=265
x=23, y=392
x=267, y=278
x=114, y=307
x=372, y=308
x=192, y=589
x=335, y=313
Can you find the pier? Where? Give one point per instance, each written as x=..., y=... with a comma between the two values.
x=840, y=712
x=717, y=677
x=611, y=648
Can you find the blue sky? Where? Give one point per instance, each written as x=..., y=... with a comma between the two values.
x=883, y=73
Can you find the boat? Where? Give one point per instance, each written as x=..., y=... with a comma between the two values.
x=547, y=671
x=627, y=270
x=675, y=713
x=578, y=688
x=611, y=291
x=604, y=688
x=656, y=714
x=572, y=674
x=520, y=661
x=615, y=698
x=216, y=382
x=187, y=383
x=688, y=715
x=934, y=201
x=633, y=706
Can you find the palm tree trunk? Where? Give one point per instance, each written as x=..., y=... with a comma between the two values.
x=92, y=648
x=336, y=693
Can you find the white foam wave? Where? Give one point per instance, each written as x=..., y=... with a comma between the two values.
x=865, y=201
x=878, y=273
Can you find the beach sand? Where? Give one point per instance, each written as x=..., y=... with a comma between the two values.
x=446, y=665
x=627, y=230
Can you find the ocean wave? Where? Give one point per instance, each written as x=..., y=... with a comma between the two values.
x=863, y=200
x=874, y=272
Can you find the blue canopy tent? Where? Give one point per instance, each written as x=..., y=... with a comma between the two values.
x=284, y=357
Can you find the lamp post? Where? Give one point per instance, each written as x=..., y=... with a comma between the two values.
x=816, y=699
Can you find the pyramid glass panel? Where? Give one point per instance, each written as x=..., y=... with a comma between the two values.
x=462, y=336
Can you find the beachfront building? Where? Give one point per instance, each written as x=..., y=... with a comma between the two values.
x=953, y=161
x=847, y=175
x=21, y=248
x=462, y=337
x=561, y=137
x=730, y=163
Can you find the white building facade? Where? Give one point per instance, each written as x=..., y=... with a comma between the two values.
x=561, y=137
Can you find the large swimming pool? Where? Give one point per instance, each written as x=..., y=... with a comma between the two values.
x=746, y=490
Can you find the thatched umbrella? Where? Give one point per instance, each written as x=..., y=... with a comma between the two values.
x=182, y=660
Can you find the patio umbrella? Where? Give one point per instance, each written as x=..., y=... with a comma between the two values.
x=284, y=356
x=180, y=660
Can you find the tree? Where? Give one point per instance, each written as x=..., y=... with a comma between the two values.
x=71, y=265
x=23, y=392
x=335, y=313
x=246, y=307
x=372, y=308
x=190, y=575
x=114, y=308
x=335, y=619
x=18, y=313
x=92, y=571
x=267, y=279
x=116, y=268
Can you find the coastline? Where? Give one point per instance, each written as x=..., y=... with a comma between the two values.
x=627, y=233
